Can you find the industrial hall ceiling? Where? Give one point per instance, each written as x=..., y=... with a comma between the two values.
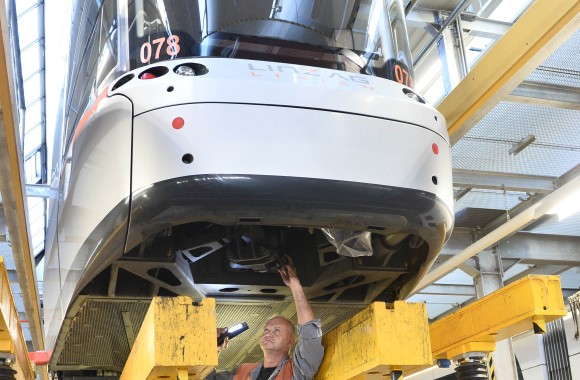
x=506, y=76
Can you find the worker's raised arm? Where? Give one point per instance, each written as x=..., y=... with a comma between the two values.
x=303, y=309
x=309, y=351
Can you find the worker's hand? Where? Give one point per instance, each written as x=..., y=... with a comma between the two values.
x=219, y=332
x=288, y=273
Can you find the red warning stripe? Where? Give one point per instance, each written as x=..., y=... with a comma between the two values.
x=90, y=112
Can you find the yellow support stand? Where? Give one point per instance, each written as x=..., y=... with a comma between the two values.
x=376, y=342
x=521, y=306
x=11, y=338
x=177, y=341
x=380, y=340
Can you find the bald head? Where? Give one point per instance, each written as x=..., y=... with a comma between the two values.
x=278, y=335
x=283, y=320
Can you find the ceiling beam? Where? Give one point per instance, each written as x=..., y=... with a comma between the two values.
x=476, y=179
x=547, y=95
x=509, y=228
x=537, y=34
x=38, y=191
x=525, y=247
x=523, y=206
x=540, y=249
x=475, y=26
x=489, y=7
x=486, y=28
x=419, y=17
x=449, y=289
x=532, y=101
x=544, y=270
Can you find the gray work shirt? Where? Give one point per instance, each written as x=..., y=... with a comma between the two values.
x=306, y=358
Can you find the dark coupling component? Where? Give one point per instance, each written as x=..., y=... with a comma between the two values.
x=472, y=368
x=255, y=249
x=6, y=370
x=396, y=375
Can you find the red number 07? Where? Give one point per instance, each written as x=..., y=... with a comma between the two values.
x=147, y=50
x=402, y=76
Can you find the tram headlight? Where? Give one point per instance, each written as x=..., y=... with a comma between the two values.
x=413, y=96
x=185, y=71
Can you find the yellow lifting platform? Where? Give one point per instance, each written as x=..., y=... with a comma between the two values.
x=177, y=339
x=376, y=342
x=526, y=304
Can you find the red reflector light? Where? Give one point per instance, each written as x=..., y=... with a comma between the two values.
x=435, y=148
x=148, y=76
x=178, y=123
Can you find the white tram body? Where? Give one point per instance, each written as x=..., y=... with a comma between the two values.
x=199, y=151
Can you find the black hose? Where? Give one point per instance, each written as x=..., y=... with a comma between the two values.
x=7, y=373
x=471, y=371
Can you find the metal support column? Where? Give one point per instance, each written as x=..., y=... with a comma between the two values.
x=488, y=281
x=452, y=56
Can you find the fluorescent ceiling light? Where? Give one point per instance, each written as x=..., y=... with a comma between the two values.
x=522, y=144
x=567, y=206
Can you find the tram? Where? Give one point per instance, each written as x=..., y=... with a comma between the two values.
x=205, y=143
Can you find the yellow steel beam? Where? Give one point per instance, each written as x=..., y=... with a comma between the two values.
x=11, y=338
x=377, y=341
x=11, y=187
x=533, y=37
x=525, y=304
x=177, y=340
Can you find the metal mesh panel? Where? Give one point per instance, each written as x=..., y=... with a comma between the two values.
x=552, y=126
x=566, y=56
x=562, y=67
x=555, y=151
x=552, y=76
x=489, y=199
x=97, y=336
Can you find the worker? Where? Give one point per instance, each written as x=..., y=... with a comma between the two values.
x=277, y=340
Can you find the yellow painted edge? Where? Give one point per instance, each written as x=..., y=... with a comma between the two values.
x=9, y=319
x=456, y=352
